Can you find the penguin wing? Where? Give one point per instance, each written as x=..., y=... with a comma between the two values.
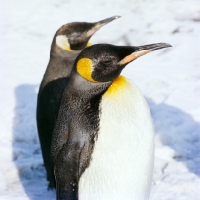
x=71, y=152
x=66, y=170
x=65, y=158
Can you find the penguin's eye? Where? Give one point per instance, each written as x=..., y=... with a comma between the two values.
x=105, y=63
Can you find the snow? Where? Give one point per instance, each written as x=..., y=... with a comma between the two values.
x=169, y=79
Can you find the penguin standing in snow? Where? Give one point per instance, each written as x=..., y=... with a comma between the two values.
x=103, y=141
x=66, y=45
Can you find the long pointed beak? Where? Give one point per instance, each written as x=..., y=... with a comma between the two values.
x=142, y=50
x=99, y=24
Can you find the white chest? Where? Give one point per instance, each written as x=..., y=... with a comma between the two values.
x=122, y=161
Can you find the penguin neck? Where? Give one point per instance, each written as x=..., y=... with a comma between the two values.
x=86, y=90
x=60, y=64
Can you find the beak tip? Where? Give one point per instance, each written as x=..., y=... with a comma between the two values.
x=107, y=20
x=160, y=46
x=116, y=16
x=112, y=18
x=168, y=45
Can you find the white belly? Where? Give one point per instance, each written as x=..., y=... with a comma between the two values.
x=122, y=161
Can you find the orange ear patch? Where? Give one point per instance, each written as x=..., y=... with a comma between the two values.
x=84, y=68
x=62, y=42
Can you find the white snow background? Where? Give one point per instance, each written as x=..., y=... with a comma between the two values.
x=169, y=79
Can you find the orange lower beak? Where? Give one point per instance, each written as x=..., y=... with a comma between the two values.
x=142, y=50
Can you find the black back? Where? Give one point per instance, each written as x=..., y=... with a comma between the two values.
x=49, y=97
x=48, y=104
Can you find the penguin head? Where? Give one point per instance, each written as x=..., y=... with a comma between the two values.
x=104, y=62
x=75, y=36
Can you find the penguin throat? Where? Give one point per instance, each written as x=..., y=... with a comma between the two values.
x=62, y=42
x=117, y=85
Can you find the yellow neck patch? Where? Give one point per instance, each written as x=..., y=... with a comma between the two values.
x=62, y=42
x=88, y=44
x=119, y=83
x=84, y=68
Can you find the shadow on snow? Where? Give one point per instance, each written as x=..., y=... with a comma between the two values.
x=179, y=131
x=26, y=146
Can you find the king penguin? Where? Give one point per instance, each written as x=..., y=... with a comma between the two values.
x=66, y=45
x=103, y=141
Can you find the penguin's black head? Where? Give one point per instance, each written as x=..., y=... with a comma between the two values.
x=104, y=62
x=75, y=35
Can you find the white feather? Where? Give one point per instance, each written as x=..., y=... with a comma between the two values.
x=122, y=161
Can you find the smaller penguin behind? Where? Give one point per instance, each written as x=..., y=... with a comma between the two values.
x=103, y=141
x=66, y=45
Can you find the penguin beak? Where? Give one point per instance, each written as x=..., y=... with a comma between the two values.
x=142, y=50
x=98, y=25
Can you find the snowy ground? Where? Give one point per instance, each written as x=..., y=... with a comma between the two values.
x=169, y=79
